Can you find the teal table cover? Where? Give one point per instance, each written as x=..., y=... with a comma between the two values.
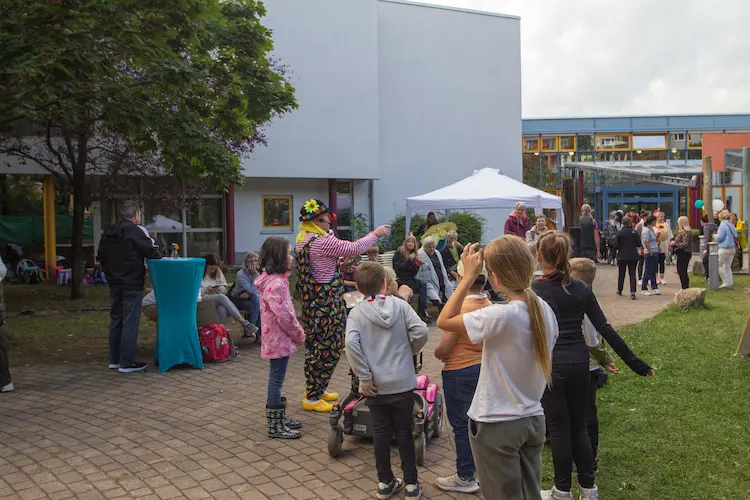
x=176, y=285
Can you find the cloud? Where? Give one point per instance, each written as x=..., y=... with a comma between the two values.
x=641, y=57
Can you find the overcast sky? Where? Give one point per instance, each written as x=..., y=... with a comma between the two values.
x=599, y=57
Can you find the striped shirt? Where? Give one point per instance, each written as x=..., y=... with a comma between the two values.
x=325, y=252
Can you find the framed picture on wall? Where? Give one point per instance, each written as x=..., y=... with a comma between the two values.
x=277, y=212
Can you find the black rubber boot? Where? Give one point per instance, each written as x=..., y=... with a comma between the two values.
x=276, y=427
x=290, y=422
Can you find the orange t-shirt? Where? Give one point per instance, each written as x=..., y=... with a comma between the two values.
x=464, y=353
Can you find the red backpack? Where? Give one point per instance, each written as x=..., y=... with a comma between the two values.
x=216, y=345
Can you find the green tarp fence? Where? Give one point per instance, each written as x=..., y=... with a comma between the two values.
x=29, y=229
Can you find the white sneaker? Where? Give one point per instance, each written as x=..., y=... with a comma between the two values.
x=455, y=483
x=646, y=293
x=640, y=282
x=589, y=494
x=114, y=366
x=555, y=494
x=7, y=388
x=657, y=292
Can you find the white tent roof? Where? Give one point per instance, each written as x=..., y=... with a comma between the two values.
x=485, y=188
x=162, y=223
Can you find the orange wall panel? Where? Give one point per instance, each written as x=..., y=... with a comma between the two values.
x=714, y=146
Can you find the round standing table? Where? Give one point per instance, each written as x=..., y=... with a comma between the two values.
x=176, y=285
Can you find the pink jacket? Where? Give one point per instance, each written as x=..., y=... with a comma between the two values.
x=280, y=329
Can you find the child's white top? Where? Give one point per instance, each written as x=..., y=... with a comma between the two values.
x=510, y=383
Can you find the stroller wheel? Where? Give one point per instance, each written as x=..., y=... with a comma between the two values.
x=420, y=446
x=335, y=440
x=438, y=409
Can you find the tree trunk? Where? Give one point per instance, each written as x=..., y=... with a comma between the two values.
x=79, y=208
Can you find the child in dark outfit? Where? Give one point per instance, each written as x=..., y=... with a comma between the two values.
x=382, y=335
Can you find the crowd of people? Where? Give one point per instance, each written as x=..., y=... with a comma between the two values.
x=516, y=374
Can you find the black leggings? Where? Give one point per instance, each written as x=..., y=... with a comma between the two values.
x=566, y=407
x=629, y=266
x=662, y=260
x=640, y=267
x=592, y=419
x=683, y=259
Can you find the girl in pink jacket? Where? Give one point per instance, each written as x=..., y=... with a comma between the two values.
x=281, y=331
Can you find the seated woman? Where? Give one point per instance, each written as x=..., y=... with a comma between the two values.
x=214, y=281
x=224, y=307
x=406, y=264
x=245, y=294
x=433, y=273
x=349, y=268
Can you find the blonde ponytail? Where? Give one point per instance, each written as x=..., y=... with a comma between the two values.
x=539, y=335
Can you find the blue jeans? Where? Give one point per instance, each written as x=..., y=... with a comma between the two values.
x=459, y=387
x=650, y=263
x=251, y=305
x=276, y=380
x=125, y=318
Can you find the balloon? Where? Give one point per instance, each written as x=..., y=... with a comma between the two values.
x=699, y=204
x=717, y=205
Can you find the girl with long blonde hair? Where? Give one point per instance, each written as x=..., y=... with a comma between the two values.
x=565, y=401
x=506, y=426
x=406, y=263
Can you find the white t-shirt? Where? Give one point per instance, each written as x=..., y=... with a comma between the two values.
x=510, y=384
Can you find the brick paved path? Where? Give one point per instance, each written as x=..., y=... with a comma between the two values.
x=81, y=431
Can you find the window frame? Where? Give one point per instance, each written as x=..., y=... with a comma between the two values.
x=575, y=143
x=555, y=146
x=528, y=137
x=290, y=200
x=666, y=142
x=613, y=134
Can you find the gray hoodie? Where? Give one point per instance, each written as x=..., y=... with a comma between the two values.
x=382, y=336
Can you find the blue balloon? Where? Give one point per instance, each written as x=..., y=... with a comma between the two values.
x=699, y=204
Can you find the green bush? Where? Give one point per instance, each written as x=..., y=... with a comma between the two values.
x=470, y=228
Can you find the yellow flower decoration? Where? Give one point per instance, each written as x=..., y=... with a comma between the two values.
x=312, y=206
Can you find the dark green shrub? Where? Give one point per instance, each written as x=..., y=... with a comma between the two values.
x=470, y=228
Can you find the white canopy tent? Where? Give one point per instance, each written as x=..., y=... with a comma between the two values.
x=485, y=188
x=162, y=223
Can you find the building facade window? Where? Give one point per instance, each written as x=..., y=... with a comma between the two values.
x=695, y=140
x=567, y=143
x=276, y=212
x=613, y=142
x=531, y=144
x=586, y=142
x=650, y=141
x=344, y=208
x=549, y=143
x=679, y=137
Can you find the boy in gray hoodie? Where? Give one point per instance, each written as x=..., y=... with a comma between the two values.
x=383, y=333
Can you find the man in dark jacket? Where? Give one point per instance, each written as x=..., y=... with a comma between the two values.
x=122, y=251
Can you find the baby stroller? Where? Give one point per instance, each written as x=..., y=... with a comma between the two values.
x=428, y=414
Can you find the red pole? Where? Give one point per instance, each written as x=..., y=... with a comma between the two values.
x=229, y=226
x=332, y=201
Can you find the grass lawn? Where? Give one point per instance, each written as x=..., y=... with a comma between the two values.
x=682, y=434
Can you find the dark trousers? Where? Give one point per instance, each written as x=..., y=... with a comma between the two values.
x=419, y=288
x=459, y=387
x=662, y=263
x=4, y=362
x=252, y=306
x=705, y=264
x=640, y=267
x=592, y=420
x=629, y=266
x=588, y=253
x=392, y=415
x=125, y=317
x=650, y=263
x=276, y=380
x=565, y=407
x=683, y=259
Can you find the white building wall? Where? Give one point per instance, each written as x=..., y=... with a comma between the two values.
x=248, y=233
x=450, y=101
x=330, y=46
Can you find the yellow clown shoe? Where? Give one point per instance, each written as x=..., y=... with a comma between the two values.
x=319, y=406
x=330, y=397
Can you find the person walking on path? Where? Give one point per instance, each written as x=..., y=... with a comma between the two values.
x=627, y=247
x=518, y=222
x=6, y=384
x=650, y=257
x=727, y=241
x=663, y=238
x=589, y=234
x=639, y=230
x=682, y=246
x=320, y=287
x=122, y=251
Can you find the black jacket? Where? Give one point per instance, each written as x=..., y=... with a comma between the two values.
x=121, y=252
x=405, y=268
x=627, y=243
x=570, y=307
x=448, y=261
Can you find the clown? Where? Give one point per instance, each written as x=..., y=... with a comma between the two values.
x=320, y=287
